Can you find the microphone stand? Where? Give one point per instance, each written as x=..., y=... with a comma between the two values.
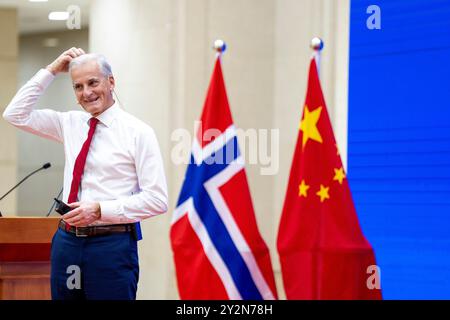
x=54, y=203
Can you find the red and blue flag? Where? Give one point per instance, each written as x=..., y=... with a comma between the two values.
x=218, y=250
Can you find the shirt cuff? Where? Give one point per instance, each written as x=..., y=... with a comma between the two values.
x=110, y=211
x=43, y=77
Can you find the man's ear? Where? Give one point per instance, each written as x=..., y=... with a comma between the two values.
x=112, y=82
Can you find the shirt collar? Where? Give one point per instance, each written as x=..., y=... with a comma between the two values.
x=107, y=117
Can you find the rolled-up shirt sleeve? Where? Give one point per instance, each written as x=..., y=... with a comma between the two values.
x=152, y=199
x=21, y=113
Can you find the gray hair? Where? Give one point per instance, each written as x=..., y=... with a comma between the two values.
x=105, y=67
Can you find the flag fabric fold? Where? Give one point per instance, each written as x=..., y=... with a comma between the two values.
x=217, y=248
x=323, y=252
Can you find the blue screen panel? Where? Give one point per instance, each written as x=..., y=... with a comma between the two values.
x=399, y=142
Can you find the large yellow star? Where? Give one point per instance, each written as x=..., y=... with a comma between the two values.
x=323, y=193
x=302, y=189
x=309, y=125
x=339, y=175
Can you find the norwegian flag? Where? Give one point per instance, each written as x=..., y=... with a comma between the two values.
x=218, y=250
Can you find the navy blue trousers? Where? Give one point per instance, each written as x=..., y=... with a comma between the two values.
x=94, y=268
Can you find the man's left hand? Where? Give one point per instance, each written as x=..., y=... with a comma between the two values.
x=82, y=214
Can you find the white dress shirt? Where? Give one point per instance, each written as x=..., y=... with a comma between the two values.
x=124, y=169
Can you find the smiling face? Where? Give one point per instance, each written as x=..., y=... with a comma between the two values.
x=92, y=88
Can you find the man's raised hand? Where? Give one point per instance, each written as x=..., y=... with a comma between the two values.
x=61, y=64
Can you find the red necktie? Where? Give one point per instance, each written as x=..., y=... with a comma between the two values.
x=80, y=162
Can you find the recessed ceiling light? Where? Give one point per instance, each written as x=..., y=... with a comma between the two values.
x=58, y=15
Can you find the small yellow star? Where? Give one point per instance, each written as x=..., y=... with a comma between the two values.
x=302, y=189
x=309, y=125
x=339, y=175
x=323, y=193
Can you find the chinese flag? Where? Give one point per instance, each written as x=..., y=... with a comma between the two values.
x=323, y=252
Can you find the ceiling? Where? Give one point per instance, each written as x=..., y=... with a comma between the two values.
x=33, y=16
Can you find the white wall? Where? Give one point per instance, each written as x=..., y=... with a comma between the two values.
x=8, y=76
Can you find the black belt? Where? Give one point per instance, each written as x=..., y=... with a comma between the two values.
x=97, y=230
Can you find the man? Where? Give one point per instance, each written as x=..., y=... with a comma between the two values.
x=113, y=178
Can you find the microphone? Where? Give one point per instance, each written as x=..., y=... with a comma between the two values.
x=44, y=166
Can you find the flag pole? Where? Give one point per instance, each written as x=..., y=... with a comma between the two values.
x=317, y=46
x=220, y=47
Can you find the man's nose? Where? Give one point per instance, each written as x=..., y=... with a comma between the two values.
x=87, y=92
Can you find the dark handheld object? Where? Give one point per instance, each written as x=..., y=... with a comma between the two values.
x=61, y=207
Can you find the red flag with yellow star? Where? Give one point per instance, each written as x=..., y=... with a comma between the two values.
x=323, y=252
